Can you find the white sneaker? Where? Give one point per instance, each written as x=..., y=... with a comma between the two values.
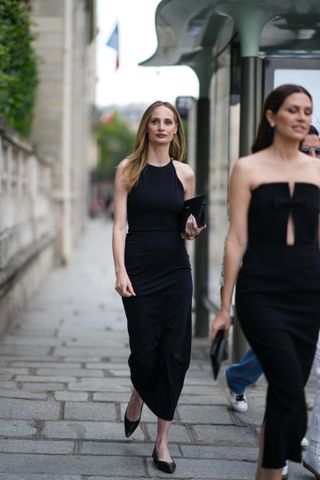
x=238, y=402
x=304, y=443
x=285, y=472
x=311, y=460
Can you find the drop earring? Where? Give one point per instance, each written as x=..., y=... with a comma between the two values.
x=271, y=128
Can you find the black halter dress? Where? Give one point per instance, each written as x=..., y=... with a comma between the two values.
x=278, y=305
x=159, y=317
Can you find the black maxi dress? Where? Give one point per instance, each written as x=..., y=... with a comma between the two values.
x=278, y=306
x=159, y=317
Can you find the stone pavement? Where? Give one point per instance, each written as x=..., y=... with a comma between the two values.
x=64, y=385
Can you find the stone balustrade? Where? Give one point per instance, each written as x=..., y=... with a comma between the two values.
x=27, y=226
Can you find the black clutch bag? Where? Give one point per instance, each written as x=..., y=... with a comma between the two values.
x=195, y=206
x=218, y=352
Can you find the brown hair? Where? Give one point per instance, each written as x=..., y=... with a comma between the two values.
x=273, y=102
x=138, y=158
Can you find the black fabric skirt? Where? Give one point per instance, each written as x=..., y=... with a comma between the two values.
x=159, y=317
x=278, y=306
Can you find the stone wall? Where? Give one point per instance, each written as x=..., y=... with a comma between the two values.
x=27, y=229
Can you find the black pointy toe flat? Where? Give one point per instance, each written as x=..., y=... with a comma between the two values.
x=130, y=427
x=167, y=467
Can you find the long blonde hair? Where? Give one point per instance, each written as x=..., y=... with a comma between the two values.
x=138, y=158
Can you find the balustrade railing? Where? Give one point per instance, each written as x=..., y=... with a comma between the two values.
x=26, y=207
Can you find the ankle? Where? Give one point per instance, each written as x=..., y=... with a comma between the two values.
x=161, y=444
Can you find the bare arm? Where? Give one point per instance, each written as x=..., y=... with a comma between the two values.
x=123, y=283
x=187, y=178
x=236, y=243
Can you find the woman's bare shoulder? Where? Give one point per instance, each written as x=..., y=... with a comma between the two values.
x=121, y=165
x=184, y=169
x=315, y=165
x=247, y=163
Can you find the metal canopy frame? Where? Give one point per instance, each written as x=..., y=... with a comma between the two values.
x=195, y=33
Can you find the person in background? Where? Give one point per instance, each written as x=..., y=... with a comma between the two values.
x=241, y=375
x=272, y=252
x=311, y=143
x=153, y=273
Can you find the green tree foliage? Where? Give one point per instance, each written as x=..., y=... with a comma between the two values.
x=115, y=142
x=18, y=65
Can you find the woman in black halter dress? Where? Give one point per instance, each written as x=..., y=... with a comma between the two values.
x=274, y=233
x=153, y=270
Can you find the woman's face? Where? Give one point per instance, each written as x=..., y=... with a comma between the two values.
x=161, y=126
x=293, y=118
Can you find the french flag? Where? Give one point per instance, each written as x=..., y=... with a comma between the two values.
x=113, y=42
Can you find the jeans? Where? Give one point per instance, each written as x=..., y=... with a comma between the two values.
x=240, y=375
x=314, y=428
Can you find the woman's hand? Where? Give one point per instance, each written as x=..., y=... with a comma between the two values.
x=124, y=285
x=192, y=230
x=222, y=321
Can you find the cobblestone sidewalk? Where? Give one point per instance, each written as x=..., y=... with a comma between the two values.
x=64, y=385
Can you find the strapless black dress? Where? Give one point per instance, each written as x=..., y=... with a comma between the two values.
x=159, y=317
x=278, y=306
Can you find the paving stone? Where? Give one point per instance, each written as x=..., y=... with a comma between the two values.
x=44, y=379
x=16, y=428
x=81, y=358
x=88, y=430
x=108, y=478
x=25, y=340
x=120, y=373
x=36, y=446
x=112, y=396
x=198, y=390
x=42, y=387
x=254, y=416
x=75, y=372
x=8, y=385
x=90, y=411
x=26, y=409
x=178, y=433
x=21, y=394
x=9, y=476
x=224, y=435
x=102, y=385
x=45, y=365
x=71, y=396
x=247, y=454
x=214, y=399
x=106, y=366
x=87, y=352
x=17, y=350
x=71, y=465
x=22, y=360
x=14, y=371
x=123, y=448
x=207, y=414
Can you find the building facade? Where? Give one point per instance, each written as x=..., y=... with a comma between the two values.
x=44, y=185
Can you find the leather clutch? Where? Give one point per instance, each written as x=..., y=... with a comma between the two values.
x=218, y=352
x=195, y=206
